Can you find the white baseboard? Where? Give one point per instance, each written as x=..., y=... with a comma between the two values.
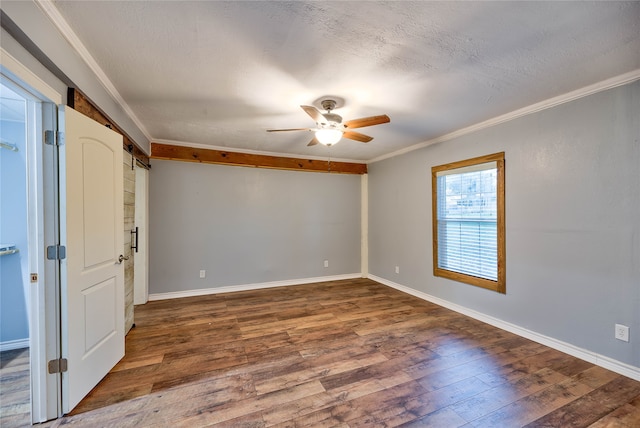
x=10, y=345
x=249, y=287
x=584, y=354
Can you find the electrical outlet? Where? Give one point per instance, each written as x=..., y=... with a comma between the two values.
x=397, y=269
x=326, y=263
x=203, y=273
x=622, y=332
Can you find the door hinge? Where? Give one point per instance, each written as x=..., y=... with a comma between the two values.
x=57, y=366
x=54, y=138
x=56, y=252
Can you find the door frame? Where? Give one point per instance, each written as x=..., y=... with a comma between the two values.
x=141, y=259
x=42, y=204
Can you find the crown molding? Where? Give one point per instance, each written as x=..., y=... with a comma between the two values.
x=604, y=85
x=71, y=37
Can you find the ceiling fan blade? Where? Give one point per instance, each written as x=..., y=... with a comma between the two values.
x=353, y=135
x=314, y=113
x=290, y=129
x=367, y=121
x=313, y=142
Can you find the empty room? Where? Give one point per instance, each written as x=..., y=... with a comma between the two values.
x=319, y=213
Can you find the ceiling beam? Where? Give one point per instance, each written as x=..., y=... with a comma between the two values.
x=190, y=154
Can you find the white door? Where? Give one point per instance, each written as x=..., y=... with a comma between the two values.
x=92, y=276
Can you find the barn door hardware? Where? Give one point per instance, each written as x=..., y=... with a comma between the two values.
x=133, y=158
x=134, y=232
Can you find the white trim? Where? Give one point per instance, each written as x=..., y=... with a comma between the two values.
x=249, y=152
x=10, y=345
x=15, y=68
x=67, y=32
x=364, y=225
x=249, y=287
x=141, y=258
x=584, y=354
x=607, y=84
x=36, y=215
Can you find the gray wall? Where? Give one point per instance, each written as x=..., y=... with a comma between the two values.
x=14, y=268
x=248, y=225
x=572, y=221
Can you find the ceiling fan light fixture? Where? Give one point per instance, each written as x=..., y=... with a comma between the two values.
x=329, y=128
x=328, y=137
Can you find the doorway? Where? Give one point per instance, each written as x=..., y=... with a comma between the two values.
x=29, y=320
x=14, y=252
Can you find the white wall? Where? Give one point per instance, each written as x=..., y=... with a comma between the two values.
x=249, y=225
x=572, y=221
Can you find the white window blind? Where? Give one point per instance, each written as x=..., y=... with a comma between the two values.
x=467, y=217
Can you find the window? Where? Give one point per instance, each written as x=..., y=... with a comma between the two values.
x=468, y=221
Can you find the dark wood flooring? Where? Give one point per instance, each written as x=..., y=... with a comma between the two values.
x=343, y=354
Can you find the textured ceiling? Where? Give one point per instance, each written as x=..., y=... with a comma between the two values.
x=222, y=72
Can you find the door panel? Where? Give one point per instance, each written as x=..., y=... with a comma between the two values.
x=98, y=202
x=92, y=277
x=100, y=318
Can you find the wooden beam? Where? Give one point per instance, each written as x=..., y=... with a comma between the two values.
x=79, y=102
x=190, y=154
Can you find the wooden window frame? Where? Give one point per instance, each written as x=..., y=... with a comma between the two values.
x=500, y=284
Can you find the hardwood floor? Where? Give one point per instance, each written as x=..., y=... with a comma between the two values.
x=343, y=354
x=15, y=407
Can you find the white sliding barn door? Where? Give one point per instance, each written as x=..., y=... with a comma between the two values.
x=92, y=276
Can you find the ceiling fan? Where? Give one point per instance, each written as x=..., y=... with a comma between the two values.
x=329, y=127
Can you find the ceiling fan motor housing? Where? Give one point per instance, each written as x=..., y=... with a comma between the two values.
x=332, y=119
x=328, y=105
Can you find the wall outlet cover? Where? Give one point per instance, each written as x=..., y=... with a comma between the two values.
x=622, y=332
